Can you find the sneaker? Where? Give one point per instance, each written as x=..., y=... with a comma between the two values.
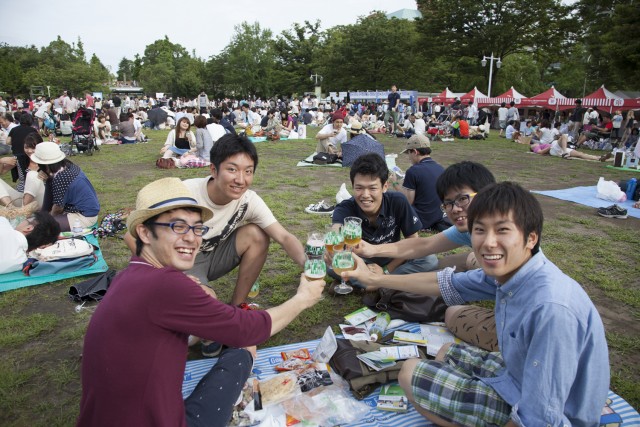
x=320, y=208
x=613, y=211
x=211, y=348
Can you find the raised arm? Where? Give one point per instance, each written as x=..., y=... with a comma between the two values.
x=407, y=248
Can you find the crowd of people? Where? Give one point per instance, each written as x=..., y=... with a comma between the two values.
x=512, y=367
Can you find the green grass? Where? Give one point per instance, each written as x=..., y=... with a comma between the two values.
x=41, y=334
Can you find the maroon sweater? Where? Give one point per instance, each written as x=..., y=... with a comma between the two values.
x=135, y=348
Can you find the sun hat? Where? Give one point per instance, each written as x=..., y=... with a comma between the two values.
x=356, y=128
x=161, y=196
x=47, y=153
x=419, y=115
x=416, y=141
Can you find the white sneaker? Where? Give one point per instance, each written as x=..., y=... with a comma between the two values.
x=320, y=208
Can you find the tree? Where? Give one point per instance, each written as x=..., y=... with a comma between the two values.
x=296, y=57
x=125, y=69
x=249, y=61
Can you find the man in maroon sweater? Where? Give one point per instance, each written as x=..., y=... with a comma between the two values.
x=136, y=344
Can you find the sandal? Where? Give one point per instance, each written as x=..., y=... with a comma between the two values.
x=565, y=156
x=605, y=157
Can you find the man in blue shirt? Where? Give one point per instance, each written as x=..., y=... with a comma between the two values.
x=553, y=367
x=394, y=102
x=385, y=215
x=419, y=185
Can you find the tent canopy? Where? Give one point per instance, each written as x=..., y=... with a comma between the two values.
x=472, y=95
x=602, y=93
x=549, y=93
x=511, y=93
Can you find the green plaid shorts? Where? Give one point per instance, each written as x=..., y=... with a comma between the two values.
x=452, y=390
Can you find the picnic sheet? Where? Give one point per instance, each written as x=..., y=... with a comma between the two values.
x=17, y=279
x=587, y=196
x=255, y=139
x=269, y=357
x=309, y=162
x=626, y=169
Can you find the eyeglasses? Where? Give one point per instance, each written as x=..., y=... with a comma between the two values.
x=182, y=228
x=461, y=201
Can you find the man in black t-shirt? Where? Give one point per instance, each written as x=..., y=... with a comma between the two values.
x=386, y=216
x=394, y=102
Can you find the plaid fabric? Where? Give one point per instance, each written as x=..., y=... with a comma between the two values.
x=451, y=389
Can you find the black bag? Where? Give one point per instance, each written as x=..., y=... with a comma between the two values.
x=362, y=379
x=325, y=158
x=93, y=289
x=406, y=305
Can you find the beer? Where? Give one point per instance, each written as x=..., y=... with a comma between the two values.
x=343, y=261
x=255, y=290
x=315, y=245
x=352, y=230
x=315, y=268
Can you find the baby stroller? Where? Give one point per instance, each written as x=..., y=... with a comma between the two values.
x=82, y=137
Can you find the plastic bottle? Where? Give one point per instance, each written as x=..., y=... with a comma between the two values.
x=77, y=227
x=631, y=188
x=379, y=325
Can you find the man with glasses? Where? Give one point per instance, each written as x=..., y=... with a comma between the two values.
x=456, y=187
x=38, y=230
x=135, y=348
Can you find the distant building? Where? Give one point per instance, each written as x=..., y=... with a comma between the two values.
x=408, y=14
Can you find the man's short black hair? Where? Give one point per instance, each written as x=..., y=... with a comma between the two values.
x=509, y=197
x=464, y=174
x=370, y=164
x=45, y=230
x=230, y=145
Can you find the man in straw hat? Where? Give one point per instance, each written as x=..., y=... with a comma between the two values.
x=136, y=343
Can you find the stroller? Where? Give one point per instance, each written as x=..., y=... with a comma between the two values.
x=82, y=137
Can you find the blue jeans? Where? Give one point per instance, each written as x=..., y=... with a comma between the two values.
x=418, y=265
x=211, y=402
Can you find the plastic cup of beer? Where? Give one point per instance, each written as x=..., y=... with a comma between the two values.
x=315, y=244
x=352, y=230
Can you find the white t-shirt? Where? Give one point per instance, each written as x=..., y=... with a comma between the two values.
x=13, y=250
x=502, y=113
x=547, y=136
x=34, y=186
x=248, y=209
x=216, y=131
x=42, y=110
x=420, y=126
x=336, y=140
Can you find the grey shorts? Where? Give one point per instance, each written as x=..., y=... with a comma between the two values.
x=214, y=264
x=503, y=124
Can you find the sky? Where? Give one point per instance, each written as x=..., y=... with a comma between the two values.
x=113, y=29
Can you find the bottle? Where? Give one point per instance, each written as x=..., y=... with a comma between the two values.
x=77, y=227
x=379, y=325
x=255, y=290
x=631, y=188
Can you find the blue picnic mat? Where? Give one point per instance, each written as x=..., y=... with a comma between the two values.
x=17, y=279
x=268, y=358
x=587, y=196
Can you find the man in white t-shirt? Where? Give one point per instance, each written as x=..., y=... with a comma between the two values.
x=38, y=230
x=419, y=125
x=502, y=117
x=332, y=136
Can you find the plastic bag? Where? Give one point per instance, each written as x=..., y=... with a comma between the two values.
x=609, y=190
x=343, y=193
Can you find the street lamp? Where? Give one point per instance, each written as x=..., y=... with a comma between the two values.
x=316, y=77
x=484, y=64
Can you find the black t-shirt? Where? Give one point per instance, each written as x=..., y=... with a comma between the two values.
x=396, y=216
x=422, y=178
x=182, y=143
x=394, y=99
x=116, y=101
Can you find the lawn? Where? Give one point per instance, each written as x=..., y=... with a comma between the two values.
x=41, y=334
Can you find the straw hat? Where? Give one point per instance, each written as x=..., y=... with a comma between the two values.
x=356, y=128
x=419, y=115
x=416, y=141
x=161, y=196
x=47, y=153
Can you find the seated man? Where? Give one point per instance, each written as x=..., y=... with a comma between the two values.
x=135, y=347
x=419, y=185
x=385, y=215
x=510, y=132
x=38, y=230
x=456, y=187
x=596, y=132
x=332, y=136
x=460, y=128
x=407, y=128
x=553, y=367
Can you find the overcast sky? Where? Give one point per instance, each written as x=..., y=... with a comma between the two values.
x=113, y=29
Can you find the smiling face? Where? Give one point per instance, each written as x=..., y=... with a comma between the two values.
x=233, y=178
x=457, y=214
x=337, y=124
x=500, y=246
x=367, y=192
x=167, y=248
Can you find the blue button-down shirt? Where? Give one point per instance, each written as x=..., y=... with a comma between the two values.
x=552, y=341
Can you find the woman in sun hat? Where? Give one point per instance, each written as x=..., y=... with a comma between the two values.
x=69, y=196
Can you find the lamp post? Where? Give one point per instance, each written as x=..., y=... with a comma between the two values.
x=317, y=77
x=484, y=64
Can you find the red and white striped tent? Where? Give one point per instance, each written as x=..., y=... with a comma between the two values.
x=546, y=99
x=511, y=95
x=445, y=96
x=473, y=95
x=600, y=98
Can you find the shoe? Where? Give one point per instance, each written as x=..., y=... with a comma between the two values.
x=320, y=208
x=211, y=348
x=613, y=211
x=606, y=157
